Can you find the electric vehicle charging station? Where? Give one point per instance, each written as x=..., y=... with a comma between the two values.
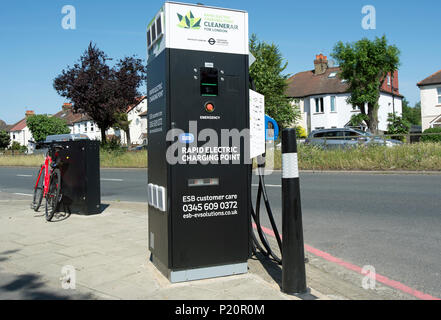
x=199, y=196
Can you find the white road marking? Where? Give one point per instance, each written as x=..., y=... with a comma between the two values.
x=24, y=175
x=117, y=180
x=24, y=194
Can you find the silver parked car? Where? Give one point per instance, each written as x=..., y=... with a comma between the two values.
x=346, y=137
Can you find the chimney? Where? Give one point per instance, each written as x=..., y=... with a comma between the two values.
x=29, y=113
x=67, y=106
x=320, y=64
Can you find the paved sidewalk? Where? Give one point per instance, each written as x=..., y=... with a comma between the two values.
x=110, y=254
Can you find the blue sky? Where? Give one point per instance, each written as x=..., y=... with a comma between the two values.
x=35, y=48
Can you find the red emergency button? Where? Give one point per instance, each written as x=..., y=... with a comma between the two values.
x=209, y=107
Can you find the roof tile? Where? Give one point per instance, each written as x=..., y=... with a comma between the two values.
x=433, y=79
x=307, y=83
x=18, y=126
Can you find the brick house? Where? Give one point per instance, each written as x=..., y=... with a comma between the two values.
x=71, y=118
x=322, y=97
x=84, y=124
x=19, y=132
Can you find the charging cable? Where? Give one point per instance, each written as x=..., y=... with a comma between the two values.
x=261, y=192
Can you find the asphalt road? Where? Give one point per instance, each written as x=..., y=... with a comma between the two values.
x=390, y=222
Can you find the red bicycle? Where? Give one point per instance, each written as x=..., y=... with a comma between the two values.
x=48, y=183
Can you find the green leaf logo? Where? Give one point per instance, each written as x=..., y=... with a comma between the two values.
x=189, y=21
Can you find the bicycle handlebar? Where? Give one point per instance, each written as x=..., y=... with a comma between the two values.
x=56, y=146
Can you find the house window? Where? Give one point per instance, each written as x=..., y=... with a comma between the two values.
x=388, y=80
x=85, y=127
x=91, y=127
x=319, y=105
x=439, y=95
x=333, y=109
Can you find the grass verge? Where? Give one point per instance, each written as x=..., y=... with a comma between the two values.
x=408, y=157
x=22, y=160
x=108, y=159
x=132, y=159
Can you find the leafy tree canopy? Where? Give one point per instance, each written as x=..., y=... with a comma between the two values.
x=42, y=126
x=397, y=125
x=412, y=115
x=365, y=65
x=266, y=72
x=358, y=120
x=5, y=139
x=99, y=90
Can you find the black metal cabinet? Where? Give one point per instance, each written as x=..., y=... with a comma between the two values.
x=80, y=176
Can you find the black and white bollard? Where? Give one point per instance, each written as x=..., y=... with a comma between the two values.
x=293, y=255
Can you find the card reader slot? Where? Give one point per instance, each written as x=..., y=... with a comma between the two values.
x=205, y=182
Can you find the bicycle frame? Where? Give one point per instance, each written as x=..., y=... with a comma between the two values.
x=47, y=176
x=45, y=169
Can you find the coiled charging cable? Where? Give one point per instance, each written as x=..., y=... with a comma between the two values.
x=261, y=191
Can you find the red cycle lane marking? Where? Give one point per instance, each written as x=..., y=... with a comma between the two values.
x=378, y=277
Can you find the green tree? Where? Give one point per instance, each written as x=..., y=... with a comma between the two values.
x=16, y=146
x=301, y=132
x=5, y=139
x=358, y=120
x=266, y=72
x=397, y=125
x=123, y=123
x=412, y=115
x=365, y=65
x=99, y=90
x=42, y=126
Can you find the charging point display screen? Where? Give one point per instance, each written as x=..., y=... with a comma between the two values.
x=209, y=82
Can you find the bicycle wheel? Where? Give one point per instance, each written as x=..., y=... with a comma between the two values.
x=38, y=190
x=53, y=194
